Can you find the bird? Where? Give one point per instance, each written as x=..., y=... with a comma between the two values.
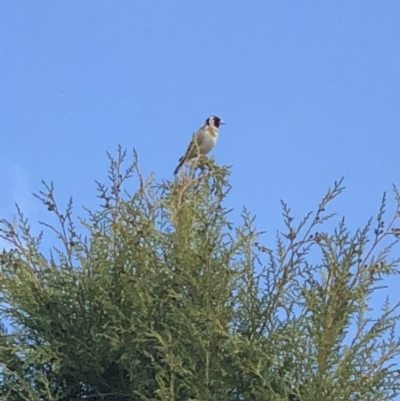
x=203, y=141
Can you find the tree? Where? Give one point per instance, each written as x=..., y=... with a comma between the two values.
x=158, y=296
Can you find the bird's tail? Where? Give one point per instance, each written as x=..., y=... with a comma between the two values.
x=181, y=163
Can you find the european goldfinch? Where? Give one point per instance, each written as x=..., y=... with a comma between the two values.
x=203, y=141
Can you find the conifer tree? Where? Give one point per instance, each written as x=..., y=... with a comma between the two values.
x=158, y=295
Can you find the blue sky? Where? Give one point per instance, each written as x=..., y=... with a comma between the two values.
x=309, y=91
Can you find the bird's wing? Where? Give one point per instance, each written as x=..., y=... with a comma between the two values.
x=193, y=148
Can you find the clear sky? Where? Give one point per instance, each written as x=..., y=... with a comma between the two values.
x=309, y=91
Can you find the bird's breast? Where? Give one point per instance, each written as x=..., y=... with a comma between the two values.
x=207, y=141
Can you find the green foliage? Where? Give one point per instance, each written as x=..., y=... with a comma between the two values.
x=159, y=296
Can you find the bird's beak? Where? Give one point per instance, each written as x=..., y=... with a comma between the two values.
x=222, y=122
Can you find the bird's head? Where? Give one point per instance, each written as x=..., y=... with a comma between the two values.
x=214, y=121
